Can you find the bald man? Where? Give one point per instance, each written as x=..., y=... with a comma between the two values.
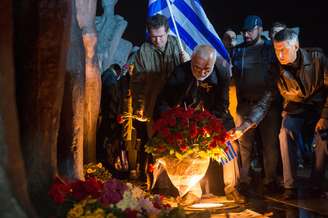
x=199, y=82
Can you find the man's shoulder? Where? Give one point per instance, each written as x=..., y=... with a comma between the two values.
x=172, y=39
x=315, y=52
x=181, y=73
x=183, y=67
x=145, y=47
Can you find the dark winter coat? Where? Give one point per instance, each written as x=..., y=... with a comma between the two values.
x=183, y=89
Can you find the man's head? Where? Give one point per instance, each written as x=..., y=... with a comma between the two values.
x=276, y=27
x=229, y=38
x=202, y=61
x=252, y=29
x=286, y=45
x=158, y=27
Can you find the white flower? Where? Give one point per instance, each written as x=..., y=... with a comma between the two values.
x=147, y=205
x=128, y=201
x=138, y=192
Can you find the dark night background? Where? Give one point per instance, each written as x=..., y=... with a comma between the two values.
x=310, y=16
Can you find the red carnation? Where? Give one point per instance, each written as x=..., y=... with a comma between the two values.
x=119, y=119
x=183, y=148
x=93, y=187
x=212, y=144
x=129, y=213
x=151, y=168
x=165, y=132
x=79, y=192
x=59, y=191
x=193, y=131
x=172, y=121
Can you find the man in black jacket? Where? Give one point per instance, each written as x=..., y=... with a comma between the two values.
x=302, y=80
x=198, y=82
x=251, y=62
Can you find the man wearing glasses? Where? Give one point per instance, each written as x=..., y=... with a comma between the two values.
x=251, y=61
x=199, y=83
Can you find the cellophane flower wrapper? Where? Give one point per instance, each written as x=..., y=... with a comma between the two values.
x=184, y=173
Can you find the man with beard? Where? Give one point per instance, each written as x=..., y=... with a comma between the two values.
x=199, y=83
x=301, y=76
x=251, y=61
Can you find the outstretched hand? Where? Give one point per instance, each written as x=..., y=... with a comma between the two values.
x=322, y=124
x=234, y=134
x=239, y=131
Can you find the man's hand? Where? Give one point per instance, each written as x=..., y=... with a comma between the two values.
x=234, y=134
x=322, y=124
x=184, y=56
x=239, y=131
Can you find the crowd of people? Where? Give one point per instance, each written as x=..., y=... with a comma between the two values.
x=281, y=92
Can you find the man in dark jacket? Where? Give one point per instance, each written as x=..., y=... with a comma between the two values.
x=198, y=82
x=251, y=61
x=154, y=62
x=302, y=80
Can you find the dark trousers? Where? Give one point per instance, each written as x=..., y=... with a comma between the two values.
x=291, y=140
x=268, y=130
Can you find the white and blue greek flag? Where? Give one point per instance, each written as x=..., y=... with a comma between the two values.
x=192, y=23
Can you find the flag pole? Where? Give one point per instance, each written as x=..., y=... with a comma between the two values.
x=174, y=24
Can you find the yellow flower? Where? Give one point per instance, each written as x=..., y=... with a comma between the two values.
x=110, y=215
x=76, y=211
x=89, y=171
x=98, y=213
x=99, y=165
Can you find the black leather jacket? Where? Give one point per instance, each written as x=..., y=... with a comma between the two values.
x=182, y=88
x=303, y=85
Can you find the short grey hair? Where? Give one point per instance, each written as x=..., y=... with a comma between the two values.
x=288, y=35
x=205, y=51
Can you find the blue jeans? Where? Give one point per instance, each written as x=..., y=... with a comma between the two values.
x=291, y=139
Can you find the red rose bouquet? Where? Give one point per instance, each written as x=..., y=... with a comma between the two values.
x=184, y=132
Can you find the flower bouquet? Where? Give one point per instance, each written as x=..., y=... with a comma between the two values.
x=96, y=170
x=181, y=132
x=109, y=198
x=184, y=141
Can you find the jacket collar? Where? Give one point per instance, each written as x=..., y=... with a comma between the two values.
x=305, y=57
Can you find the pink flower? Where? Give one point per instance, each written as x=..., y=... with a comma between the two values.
x=113, y=192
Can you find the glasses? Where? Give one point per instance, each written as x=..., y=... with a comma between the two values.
x=200, y=70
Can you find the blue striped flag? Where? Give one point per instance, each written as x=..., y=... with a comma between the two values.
x=231, y=151
x=192, y=23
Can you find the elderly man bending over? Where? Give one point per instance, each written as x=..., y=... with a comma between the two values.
x=199, y=82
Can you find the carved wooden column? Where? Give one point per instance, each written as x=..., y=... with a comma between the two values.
x=13, y=185
x=86, y=14
x=70, y=142
x=41, y=37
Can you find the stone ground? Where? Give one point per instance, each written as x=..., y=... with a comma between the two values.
x=260, y=205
